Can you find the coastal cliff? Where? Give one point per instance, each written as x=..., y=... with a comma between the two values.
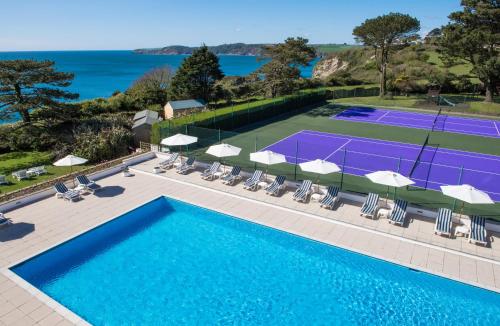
x=329, y=66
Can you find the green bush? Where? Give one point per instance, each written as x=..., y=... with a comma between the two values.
x=104, y=145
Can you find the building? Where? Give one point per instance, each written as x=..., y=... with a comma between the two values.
x=174, y=109
x=143, y=120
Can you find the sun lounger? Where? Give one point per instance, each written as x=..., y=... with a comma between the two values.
x=20, y=175
x=87, y=184
x=278, y=184
x=398, y=213
x=63, y=192
x=477, y=230
x=169, y=162
x=370, y=206
x=209, y=174
x=303, y=192
x=331, y=197
x=253, y=182
x=231, y=177
x=3, y=180
x=186, y=166
x=37, y=170
x=4, y=220
x=443, y=222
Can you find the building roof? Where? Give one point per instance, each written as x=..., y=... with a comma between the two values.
x=145, y=117
x=146, y=113
x=186, y=104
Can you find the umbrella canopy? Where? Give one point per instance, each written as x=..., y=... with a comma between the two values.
x=467, y=194
x=319, y=166
x=70, y=160
x=389, y=178
x=223, y=150
x=267, y=157
x=179, y=140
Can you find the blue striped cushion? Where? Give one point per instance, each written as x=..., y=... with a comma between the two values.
x=370, y=204
x=443, y=220
x=477, y=228
x=399, y=212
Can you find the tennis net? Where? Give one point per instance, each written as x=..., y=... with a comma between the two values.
x=436, y=118
x=417, y=160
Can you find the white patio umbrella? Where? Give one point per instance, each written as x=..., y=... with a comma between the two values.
x=320, y=167
x=389, y=179
x=268, y=158
x=70, y=160
x=179, y=140
x=223, y=150
x=467, y=194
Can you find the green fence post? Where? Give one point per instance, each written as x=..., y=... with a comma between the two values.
x=219, y=136
x=255, y=150
x=396, y=189
x=459, y=181
x=296, y=158
x=342, y=170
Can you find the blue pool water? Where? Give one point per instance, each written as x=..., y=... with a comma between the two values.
x=169, y=262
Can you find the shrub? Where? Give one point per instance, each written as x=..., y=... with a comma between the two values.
x=104, y=145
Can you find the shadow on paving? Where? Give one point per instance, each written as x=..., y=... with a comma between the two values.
x=110, y=191
x=16, y=231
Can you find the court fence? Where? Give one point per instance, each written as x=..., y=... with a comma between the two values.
x=237, y=116
x=345, y=159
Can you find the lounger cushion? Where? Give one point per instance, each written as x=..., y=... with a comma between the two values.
x=331, y=196
x=370, y=204
x=443, y=220
x=477, y=229
x=398, y=213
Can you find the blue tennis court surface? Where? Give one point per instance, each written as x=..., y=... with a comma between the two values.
x=429, y=168
x=445, y=123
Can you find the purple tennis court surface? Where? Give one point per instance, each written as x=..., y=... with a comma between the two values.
x=446, y=123
x=436, y=166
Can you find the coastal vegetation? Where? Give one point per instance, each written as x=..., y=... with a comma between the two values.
x=385, y=34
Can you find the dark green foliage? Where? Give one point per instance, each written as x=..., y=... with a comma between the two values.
x=385, y=34
x=473, y=35
x=151, y=89
x=282, y=72
x=230, y=88
x=196, y=76
x=103, y=145
x=26, y=85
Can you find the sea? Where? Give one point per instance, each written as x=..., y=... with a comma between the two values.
x=100, y=73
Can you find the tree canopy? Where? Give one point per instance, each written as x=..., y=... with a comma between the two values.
x=473, y=35
x=281, y=73
x=386, y=33
x=26, y=85
x=196, y=76
x=151, y=88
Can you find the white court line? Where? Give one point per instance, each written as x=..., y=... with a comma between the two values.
x=279, y=141
x=338, y=149
x=496, y=127
x=367, y=170
x=380, y=118
x=405, y=145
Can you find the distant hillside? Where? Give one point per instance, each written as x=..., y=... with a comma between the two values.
x=234, y=49
x=419, y=61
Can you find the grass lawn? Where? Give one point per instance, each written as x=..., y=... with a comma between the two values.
x=258, y=136
x=475, y=106
x=23, y=160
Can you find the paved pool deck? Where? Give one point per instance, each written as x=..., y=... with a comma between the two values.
x=48, y=222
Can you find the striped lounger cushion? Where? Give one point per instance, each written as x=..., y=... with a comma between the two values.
x=254, y=179
x=399, y=212
x=477, y=229
x=370, y=204
x=443, y=221
x=331, y=193
x=303, y=190
x=275, y=186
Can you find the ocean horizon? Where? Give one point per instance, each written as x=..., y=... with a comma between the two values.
x=99, y=73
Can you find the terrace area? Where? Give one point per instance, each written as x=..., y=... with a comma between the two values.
x=43, y=224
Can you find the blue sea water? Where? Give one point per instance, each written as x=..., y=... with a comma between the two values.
x=100, y=73
x=169, y=262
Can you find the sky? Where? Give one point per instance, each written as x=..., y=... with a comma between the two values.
x=30, y=25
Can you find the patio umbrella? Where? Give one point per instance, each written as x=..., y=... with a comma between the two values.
x=268, y=158
x=70, y=160
x=179, y=140
x=320, y=167
x=389, y=179
x=223, y=150
x=467, y=194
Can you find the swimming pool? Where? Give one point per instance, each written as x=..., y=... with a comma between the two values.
x=169, y=262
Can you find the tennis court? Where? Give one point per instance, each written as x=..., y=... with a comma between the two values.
x=428, y=166
x=440, y=122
